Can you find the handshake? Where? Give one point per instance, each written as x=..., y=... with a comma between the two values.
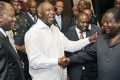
x=63, y=62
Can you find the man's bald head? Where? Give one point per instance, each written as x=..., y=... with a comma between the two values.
x=7, y=16
x=41, y=7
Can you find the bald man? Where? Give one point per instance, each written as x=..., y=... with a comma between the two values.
x=10, y=66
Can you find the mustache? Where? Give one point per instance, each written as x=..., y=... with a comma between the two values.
x=50, y=15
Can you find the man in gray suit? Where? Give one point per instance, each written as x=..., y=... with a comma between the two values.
x=81, y=30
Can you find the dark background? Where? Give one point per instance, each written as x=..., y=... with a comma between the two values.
x=100, y=6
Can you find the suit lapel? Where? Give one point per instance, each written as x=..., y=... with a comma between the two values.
x=88, y=33
x=1, y=35
x=10, y=50
x=8, y=45
x=30, y=19
x=75, y=36
x=63, y=21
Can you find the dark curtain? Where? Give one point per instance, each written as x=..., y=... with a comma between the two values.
x=100, y=6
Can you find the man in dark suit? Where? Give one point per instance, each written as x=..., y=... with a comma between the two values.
x=10, y=66
x=82, y=29
x=24, y=22
x=75, y=13
x=61, y=20
x=106, y=49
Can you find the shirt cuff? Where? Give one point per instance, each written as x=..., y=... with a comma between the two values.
x=85, y=41
x=54, y=61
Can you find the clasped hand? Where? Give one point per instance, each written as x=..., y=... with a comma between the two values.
x=63, y=62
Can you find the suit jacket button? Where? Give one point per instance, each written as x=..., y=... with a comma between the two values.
x=110, y=49
x=108, y=60
x=106, y=71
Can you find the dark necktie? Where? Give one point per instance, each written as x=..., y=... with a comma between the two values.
x=7, y=38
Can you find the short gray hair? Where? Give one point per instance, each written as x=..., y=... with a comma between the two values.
x=40, y=7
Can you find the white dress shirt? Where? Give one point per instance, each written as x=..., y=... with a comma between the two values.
x=44, y=45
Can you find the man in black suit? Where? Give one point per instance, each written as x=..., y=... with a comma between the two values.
x=61, y=20
x=10, y=66
x=24, y=22
x=82, y=29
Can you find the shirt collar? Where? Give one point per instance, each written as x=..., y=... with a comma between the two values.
x=3, y=32
x=77, y=30
x=89, y=27
x=41, y=24
x=30, y=14
x=56, y=16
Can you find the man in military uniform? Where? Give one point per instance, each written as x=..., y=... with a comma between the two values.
x=21, y=27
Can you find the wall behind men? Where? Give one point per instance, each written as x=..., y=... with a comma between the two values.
x=100, y=6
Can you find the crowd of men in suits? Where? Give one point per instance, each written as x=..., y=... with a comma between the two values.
x=97, y=59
